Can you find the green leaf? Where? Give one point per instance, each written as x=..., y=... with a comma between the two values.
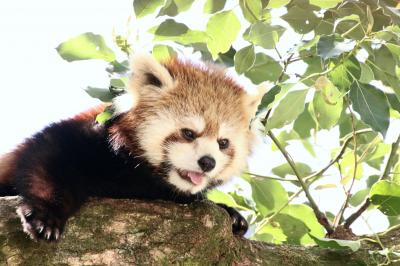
x=352, y=17
x=121, y=68
x=359, y=197
x=117, y=85
x=378, y=150
x=366, y=73
x=315, y=65
x=85, y=46
x=394, y=101
x=394, y=49
x=354, y=245
x=243, y=201
x=284, y=169
x=372, y=105
x=264, y=68
x=178, y=32
x=330, y=47
x=325, y=186
x=325, y=3
x=223, y=29
x=277, y=3
x=371, y=180
x=327, y=104
x=307, y=45
x=304, y=123
x=347, y=166
x=144, y=7
x=174, y=7
x=271, y=233
x=212, y=6
x=264, y=34
x=302, y=20
x=269, y=97
x=385, y=61
x=218, y=196
x=244, y=59
x=227, y=58
x=396, y=174
x=288, y=109
x=104, y=95
x=163, y=52
x=168, y=28
x=251, y=9
x=269, y=195
x=386, y=195
x=297, y=222
x=103, y=117
x=341, y=77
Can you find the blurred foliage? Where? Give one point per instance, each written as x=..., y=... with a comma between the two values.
x=331, y=65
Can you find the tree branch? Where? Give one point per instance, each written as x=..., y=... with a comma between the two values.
x=133, y=232
x=322, y=219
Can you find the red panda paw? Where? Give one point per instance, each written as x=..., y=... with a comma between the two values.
x=239, y=223
x=40, y=225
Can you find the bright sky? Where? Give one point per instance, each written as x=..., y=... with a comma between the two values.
x=38, y=87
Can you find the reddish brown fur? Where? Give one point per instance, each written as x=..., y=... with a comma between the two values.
x=8, y=165
x=199, y=90
x=7, y=161
x=207, y=91
x=40, y=185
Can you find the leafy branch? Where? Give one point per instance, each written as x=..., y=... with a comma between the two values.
x=322, y=219
x=389, y=165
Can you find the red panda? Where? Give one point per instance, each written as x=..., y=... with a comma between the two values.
x=187, y=131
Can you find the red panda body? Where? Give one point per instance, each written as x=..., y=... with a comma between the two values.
x=187, y=132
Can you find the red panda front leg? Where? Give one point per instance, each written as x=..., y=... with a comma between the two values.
x=45, y=220
x=46, y=205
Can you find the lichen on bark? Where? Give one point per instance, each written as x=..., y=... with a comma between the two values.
x=132, y=232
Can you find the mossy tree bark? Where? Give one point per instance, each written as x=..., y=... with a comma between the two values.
x=131, y=232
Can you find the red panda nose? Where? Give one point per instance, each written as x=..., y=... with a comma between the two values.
x=206, y=163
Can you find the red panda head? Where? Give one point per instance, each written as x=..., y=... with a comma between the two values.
x=194, y=120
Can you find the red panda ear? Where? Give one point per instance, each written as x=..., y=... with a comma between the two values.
x=254, y=100
x=147, y=71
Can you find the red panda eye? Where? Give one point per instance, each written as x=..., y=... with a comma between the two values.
x=188, y=134
x=223, y=143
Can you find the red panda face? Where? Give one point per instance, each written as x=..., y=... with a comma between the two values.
x=191, y=120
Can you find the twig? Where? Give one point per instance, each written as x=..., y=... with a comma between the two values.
x=271, y=177
x=322, y=219
x=339, y=155
x=285, y=65
x=277, y=52
x=389, y=164
x=390, y=229
x=339, y=217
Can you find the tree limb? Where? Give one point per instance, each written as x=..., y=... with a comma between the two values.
x=131, y=232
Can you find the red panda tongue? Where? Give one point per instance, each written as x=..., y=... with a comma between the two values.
x=195, y=177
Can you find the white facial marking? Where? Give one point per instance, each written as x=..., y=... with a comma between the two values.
x=125, y=102
x=152, y=135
